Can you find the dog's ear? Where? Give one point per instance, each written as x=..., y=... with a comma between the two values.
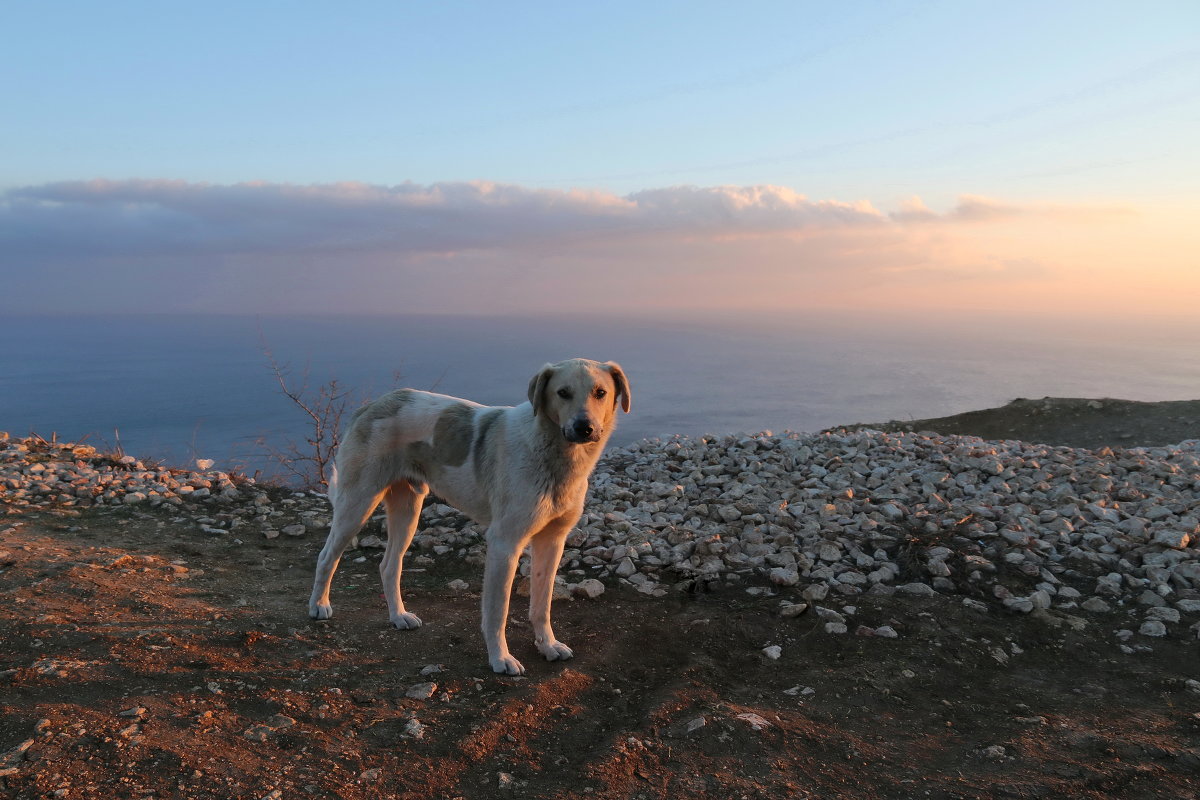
x=618, y=376
x=537, y=388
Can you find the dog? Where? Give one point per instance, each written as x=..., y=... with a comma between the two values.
x=520, y=471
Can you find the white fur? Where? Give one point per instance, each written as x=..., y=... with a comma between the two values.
x=523, y=472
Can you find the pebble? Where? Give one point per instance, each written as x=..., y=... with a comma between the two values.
x=589, y=588
x=773, y=652
x=836, y=513
x=421, y=691
x=1153, y=628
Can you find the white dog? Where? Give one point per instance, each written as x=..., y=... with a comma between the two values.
x=521, y=471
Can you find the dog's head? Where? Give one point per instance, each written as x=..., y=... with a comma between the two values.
x=580, y=397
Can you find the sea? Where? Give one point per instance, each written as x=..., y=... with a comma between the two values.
x=178, y=388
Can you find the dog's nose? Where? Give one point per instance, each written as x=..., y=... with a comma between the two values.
x=583, y=428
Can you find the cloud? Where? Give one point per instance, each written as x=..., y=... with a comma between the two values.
x=479, y=246
x=977, y=209
x=166, y=217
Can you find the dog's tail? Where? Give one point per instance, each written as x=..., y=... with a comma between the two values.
x=331, y=489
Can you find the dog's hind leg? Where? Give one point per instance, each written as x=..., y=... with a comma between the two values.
x=403, y=503
x=546, y=549
x=352, y=509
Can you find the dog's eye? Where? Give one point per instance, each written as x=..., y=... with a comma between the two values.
x=564, y=393
x=600, y=393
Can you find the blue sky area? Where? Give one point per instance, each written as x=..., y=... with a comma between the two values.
x=703, y=153
x=873, y=101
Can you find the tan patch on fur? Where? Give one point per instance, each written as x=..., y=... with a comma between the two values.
x=451, y=443
x=386, y=407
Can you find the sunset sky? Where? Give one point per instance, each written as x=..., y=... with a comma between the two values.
x=284, y=157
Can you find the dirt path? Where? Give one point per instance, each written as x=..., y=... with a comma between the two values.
x=142, y=659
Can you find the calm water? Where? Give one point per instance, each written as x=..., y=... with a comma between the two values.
x=183, y=387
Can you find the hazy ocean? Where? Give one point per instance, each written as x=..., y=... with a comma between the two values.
x=179, y=387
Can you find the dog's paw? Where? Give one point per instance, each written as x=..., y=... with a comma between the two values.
x=405, y=621
x=556, y=651
x=320, y=610
x=507, y=665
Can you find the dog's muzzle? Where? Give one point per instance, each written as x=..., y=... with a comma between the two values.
x=581, y=430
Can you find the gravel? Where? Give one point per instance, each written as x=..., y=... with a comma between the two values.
x=1010, y=525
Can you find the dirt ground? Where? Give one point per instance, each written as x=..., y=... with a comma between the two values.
x=1071, y=422
x=142, y=659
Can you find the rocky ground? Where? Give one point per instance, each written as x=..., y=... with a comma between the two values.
x=855, y=613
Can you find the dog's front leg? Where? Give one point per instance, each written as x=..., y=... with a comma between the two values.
x=547, y=550
x=504, y=545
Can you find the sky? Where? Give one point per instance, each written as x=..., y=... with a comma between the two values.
x=392, y=157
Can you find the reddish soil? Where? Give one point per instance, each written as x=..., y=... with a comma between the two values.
x=245, y=697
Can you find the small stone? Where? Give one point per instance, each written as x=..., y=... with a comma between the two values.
x=916, y=590
x=431, y=669
x=696, y=724
x=505, y=780
x=369, y=775
x=1095, y=604
x=754, y=720
x=1163, y=614
x=773, y=652
x=257, y=733
x=886, y=632
x=815, y=592
x=1150, y=598
x=995, y=752
x=828, y=614
x=1153, y=628
x=625, y=568
x=458, y=585
x=835, y=627
x=295, y=530
x=589, y=588
x=784, y=576
x=792, y=610
x=1175, y=539
x=414, y=729
x=421, y=691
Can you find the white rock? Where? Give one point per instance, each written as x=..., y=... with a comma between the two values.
x=784, y=577
x=421, y=691
x=1163, y=614
x=589, y=588
x=1153, y=628
x=625, y=568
